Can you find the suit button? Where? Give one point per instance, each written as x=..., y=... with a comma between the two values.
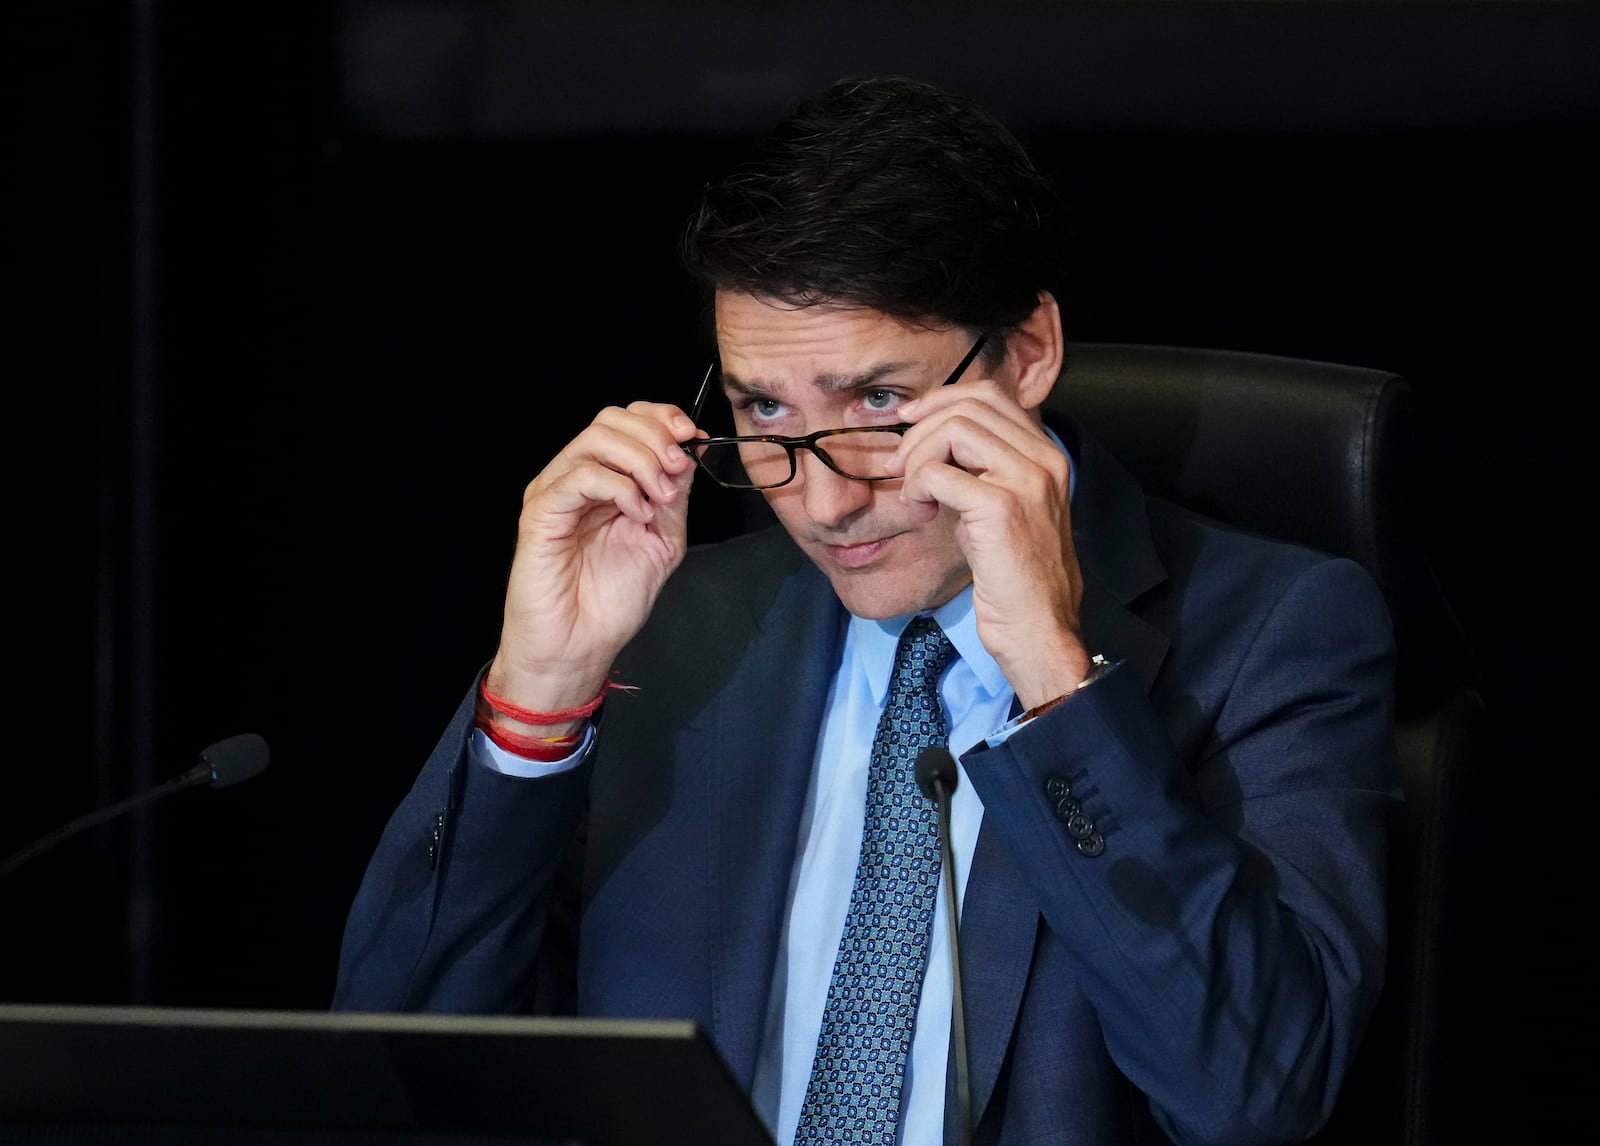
x=1080, y=827
x=435, y=841
x=1067, y=807
x=1056, y=787
x=1092, y=844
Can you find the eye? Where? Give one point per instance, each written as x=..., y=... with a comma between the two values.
x=880, y=400
x=755, y=408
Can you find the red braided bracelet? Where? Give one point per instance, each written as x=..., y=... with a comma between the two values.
x=545, y=749
x=528, y=716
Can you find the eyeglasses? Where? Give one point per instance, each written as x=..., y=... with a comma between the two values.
x=766, y=461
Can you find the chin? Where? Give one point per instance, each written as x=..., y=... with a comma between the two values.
x=876, y=597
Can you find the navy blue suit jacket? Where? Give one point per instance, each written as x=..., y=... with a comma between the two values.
x=1205, y=978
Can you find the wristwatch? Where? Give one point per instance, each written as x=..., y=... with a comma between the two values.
x=1098, y=667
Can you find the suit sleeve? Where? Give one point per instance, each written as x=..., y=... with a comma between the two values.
x=1225, y=913
x=453, y=908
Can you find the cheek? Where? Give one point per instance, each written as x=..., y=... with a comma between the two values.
x=783, y=502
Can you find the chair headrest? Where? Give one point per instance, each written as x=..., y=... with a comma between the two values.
x=1312, y=452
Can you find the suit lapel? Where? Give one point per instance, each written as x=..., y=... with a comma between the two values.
x=999, y=920
x=998, y=928
x=759, y=744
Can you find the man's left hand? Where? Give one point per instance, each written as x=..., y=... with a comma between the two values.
x=975, y=451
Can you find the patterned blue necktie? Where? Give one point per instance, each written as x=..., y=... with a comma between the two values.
x=856, y=1078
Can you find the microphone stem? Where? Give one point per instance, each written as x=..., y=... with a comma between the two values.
x=958, y=1022
x=72, y=828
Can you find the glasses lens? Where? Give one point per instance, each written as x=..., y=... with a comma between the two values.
x=860, y=454
x=749, y=464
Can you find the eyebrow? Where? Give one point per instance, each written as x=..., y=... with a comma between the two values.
x=829, y=382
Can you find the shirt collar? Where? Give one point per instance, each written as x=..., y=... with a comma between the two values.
x=875, y=643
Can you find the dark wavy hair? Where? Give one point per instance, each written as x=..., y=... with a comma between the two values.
x=890, y=194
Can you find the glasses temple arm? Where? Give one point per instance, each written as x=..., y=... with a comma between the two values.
x=700, y=395
x=961, y=367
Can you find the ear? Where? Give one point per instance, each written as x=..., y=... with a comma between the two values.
x=1036, y=352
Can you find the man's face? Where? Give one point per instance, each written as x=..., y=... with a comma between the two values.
x=792, y=371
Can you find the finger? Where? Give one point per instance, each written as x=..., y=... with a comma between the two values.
x=972, y=426
x=961, y=446
x=956, y=423
x=966, y=493
x=984, y=392
x=659, y=426
x=672, y=514
x=680, y=425
x=1000, y=513
x=581, y=487
x=985, y=445
x=639, y=447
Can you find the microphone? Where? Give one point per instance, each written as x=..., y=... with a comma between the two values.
x=937, y=777
x=221, y=765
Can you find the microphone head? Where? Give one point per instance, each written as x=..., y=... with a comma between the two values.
x=236, y=758
x=936, y=765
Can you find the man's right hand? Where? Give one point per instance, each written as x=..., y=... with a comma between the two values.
x=602, y=527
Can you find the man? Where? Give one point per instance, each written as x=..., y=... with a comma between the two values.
x=1174, y=740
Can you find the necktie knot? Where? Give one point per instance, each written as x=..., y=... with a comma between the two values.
x=923, y=654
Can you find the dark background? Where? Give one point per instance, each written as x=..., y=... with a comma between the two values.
x=302, y=296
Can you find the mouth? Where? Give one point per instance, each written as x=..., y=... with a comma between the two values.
x=856, y=556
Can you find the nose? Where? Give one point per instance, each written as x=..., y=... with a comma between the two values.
x=831, y=500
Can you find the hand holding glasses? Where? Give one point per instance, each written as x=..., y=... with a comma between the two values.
x=766, y=461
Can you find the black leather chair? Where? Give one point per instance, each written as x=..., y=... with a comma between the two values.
x=1324, y=454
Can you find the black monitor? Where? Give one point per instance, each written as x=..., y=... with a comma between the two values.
x=82, y=1076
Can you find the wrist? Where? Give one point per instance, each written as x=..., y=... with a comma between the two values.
x=550, y=724
x=513, y=696
x=533, y=735
x=1049, y=672
x=1098, y=667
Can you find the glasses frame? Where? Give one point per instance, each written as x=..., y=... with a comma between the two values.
x=808, y=441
